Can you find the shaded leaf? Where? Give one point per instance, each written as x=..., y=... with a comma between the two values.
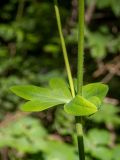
x=96, y=101
x=107, y=114
x=95, y=89
x=79, y=106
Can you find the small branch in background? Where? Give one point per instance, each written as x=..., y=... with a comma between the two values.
x=111, y=129
x=73, y=18
x=110, y=69
x=4, y=154
x=111, y=101
x=20, y=9
x=90, y=11
x=12, y=49
x=12, y=117
x=107, y=78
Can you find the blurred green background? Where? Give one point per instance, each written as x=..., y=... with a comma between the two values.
x=30, y=53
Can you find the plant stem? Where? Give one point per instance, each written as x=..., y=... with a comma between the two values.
x=79, y=126
x=64, y=48
x=80, y=46
x=79, y=129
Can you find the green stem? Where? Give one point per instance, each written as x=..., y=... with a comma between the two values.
x=80, y=46
x=79, y=126
x=79, y=129
x=64, y=48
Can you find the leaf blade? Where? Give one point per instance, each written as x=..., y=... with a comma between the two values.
x=79, y=106
x=31, y=92
x=95, y=89
x=28, y=92
x=37, y=105
x=59, y=83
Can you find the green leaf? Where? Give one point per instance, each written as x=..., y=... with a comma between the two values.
x=107, y=114
x=79, y=106
x=95, y=89
x=96, y=101
x=30, y=92
x=57, y=150
x=38, y=105
x=43, y=98
x=59, y=83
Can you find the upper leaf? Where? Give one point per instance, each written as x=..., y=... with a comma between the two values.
x=95, y=89
x=60, y=84
x=79, y=106
x=30, y=92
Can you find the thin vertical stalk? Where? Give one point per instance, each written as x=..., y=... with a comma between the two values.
x=64, y=48
x=20, y=10
x=79, y=129
x=79, y=126
x=80, y=46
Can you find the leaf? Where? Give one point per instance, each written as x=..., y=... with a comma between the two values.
x=37, y=105
x=97, y=142
x=96, y=101
x=57, y=150
x=31, y=92
x=107, y=114
x=95, y=89
x=116, y=152
x=59, y=83
x=99, y=137
x=79, y=106
x=43, y=98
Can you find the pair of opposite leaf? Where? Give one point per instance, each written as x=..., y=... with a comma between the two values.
x=57, y=93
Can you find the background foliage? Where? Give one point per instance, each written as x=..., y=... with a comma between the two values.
x=30, y=52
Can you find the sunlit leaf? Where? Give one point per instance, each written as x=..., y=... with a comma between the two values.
x=43, y=98
x=38, y=105
x=30, y=92
x=60, y=84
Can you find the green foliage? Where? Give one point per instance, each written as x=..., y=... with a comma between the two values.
x=97, y=145
x=27, y=135
x=95, y=89
x=108, y=114
x=43, y=98
x=59, y=93
x=79, y=106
